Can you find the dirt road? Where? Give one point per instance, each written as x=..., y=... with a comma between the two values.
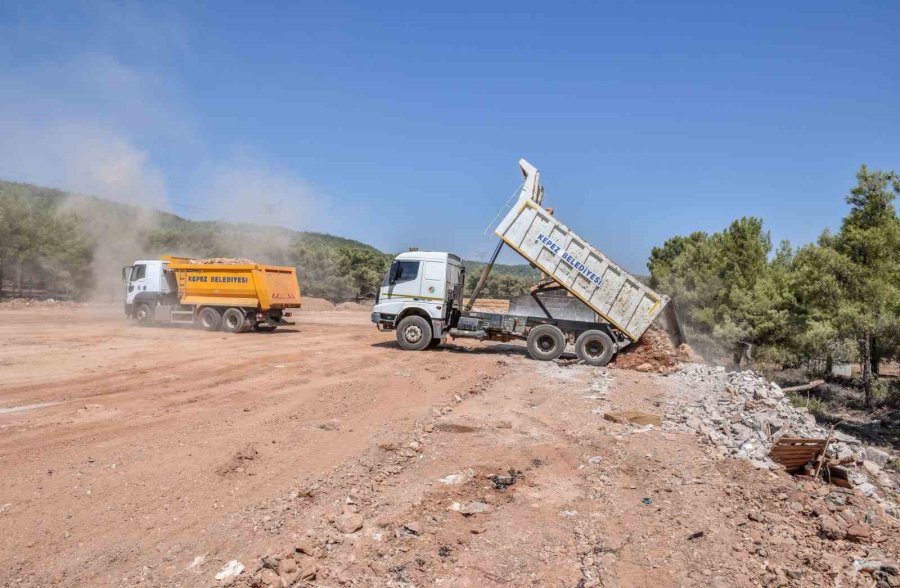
x=154, y=456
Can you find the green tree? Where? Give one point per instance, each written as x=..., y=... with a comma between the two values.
x=501, y=286
x=364, y=268
x=713, y=278
x=870, y=241
x=41, y=244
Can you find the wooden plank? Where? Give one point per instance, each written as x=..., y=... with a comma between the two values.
x=795, y=450
x=810, y=386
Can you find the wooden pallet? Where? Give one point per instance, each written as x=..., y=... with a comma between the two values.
x=795, y=452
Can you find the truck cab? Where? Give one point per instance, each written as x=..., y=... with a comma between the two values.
x=419, y=295
x=147, y=281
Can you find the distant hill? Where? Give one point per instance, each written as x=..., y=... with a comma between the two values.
x=112, y=234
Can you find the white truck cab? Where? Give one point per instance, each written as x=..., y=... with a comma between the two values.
x=423, y=284
x=147, y=281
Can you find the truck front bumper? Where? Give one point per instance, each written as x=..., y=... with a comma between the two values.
x=384, y=320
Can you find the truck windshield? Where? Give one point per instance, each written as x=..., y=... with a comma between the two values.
x=401, y=271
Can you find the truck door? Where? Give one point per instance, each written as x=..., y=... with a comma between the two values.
x=404, y=280
x=137, y=282
x=434, y=281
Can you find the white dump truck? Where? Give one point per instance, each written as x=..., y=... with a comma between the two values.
x=602, y=308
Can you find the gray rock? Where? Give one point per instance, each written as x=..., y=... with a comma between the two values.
x=878, y=456
x=474, y=507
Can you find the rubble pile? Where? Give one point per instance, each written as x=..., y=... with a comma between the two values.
x=742, y=415
x=223, y=261
x=33, y=303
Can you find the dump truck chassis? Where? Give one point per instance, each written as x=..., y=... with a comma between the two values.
x=230, y=319
x=508, y=327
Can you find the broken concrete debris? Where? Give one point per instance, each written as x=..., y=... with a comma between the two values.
x=231, y=569
x=742, y=415
x=473, y=508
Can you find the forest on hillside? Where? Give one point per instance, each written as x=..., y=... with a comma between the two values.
x=62, y=245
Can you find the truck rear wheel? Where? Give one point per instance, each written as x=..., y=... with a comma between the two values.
x=143, y=314
x=414, y=333
x=210, y=319
x=546, y=342
x=233, y=320
x=594, y=348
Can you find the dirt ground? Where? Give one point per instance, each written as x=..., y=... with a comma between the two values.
x=325, y=455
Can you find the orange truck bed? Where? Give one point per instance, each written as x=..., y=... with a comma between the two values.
x=244, y=285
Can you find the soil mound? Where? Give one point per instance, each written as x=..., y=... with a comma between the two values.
x=654, y=352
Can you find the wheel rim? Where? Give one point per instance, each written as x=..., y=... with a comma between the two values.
x=142, y=313
x=206, y=320
x=546, y=343
x=413, y=334
x=594, y=348
x=232, y=322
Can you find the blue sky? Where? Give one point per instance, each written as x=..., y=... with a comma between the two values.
x=400, y=123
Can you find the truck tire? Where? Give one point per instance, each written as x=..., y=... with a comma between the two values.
x=210, y=319
x=546, y=342
x=143, y=314
x=414, y=333
x=233, y=320
x=594, y=348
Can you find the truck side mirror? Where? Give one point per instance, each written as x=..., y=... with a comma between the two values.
x=126, y=274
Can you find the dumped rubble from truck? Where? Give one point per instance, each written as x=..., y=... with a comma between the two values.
x=654, y=352
x=742, y=415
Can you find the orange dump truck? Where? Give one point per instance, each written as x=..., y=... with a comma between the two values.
x=234, y=295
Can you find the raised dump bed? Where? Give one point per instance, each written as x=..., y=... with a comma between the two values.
x=583, y=270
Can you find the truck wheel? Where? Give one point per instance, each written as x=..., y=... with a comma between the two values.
x=233, y=320
x=594, y=348
x=143, y=314
x=414, y=333
x=546, y=342
x=210, y=319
